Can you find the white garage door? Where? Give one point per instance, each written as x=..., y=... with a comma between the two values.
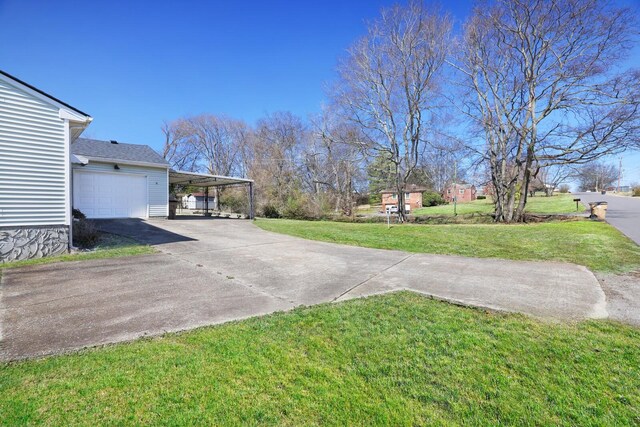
x=110, y=195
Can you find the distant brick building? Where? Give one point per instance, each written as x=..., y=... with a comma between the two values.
x=462, y=192
x=412, y=197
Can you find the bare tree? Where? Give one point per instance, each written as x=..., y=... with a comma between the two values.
x=596, y=176
x=207, y=143
x=276, y=157
x=543, y=88
x=550, y=177
x=337, y=166
x=179, y=149
x=445, y=159
x=219, y=140
x=387, y=85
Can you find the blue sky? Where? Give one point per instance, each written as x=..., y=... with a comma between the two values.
x=133, y=64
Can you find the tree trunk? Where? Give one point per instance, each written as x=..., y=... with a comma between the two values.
x=400, y=191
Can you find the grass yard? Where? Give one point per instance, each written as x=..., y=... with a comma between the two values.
x=110, y=246
x=398, y=359
x=556, y=204
x=595, y=245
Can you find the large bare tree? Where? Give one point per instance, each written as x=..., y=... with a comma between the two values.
x=207, y=143
x=179, y=149
x=334, y=165
x=219, y=140
x=275, y=158
x=544, y=87
x=596, y=176
x=387, y=85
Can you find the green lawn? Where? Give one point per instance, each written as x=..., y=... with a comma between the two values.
x=596, y=245
x=109, y=246
x=399, y=359
x=557, y=204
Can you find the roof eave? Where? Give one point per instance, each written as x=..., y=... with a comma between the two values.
x=205, y=180
x=65, y=108
x=121, y=161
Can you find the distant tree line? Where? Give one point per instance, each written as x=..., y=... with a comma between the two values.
x=520, y=99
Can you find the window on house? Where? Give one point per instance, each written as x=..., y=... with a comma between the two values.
x=461, y=191
x=449, y=191
x=394, y=196
x=406, y=195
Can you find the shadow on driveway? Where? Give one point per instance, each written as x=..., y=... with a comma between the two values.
x=140, y=230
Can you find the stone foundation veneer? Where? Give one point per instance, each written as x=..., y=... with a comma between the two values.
x=37, y=241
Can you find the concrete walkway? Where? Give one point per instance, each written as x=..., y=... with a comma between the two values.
x=212, y=270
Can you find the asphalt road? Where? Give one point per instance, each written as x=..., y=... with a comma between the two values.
x=623, y=212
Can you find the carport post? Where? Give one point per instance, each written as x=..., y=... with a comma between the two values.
x=206, y=200
x=251, y=215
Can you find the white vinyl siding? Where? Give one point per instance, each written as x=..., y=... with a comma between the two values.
x=157, y=184
x=32, y=160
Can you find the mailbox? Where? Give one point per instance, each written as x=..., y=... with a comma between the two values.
x=577, y=201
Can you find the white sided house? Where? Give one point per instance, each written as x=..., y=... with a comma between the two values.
x=195, y=201
x=47, y=171
x=36, y=131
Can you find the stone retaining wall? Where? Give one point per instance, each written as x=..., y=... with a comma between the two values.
x=18, y=243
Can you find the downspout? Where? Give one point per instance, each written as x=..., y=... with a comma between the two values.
x=68, y=192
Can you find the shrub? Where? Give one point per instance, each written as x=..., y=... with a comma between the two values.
x=233, y=201
x=375, y=198
x=361, y=199
x=431, y=198
x=270, y=211
x=564, y=189
x=296, y=207
x=85, y=234
x=77, y=214
x=481, y=197
x=636, y=191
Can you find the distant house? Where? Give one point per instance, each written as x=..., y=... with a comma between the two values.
x=461, y=192
x=196, y=201
x=412, y=198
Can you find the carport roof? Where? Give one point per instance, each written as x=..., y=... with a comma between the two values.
x=203, y=179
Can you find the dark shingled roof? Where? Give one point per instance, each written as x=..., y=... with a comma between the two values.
x=410, y=188
x=93, y=148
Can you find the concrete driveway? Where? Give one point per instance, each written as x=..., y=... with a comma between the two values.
x=622, y=212
x=212, y=270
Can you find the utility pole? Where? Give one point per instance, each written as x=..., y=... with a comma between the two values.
x=619, y=175
x=455, y=188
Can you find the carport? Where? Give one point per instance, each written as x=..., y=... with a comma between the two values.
x=207, y=181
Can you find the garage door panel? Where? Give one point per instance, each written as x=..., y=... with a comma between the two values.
x=110, y=195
